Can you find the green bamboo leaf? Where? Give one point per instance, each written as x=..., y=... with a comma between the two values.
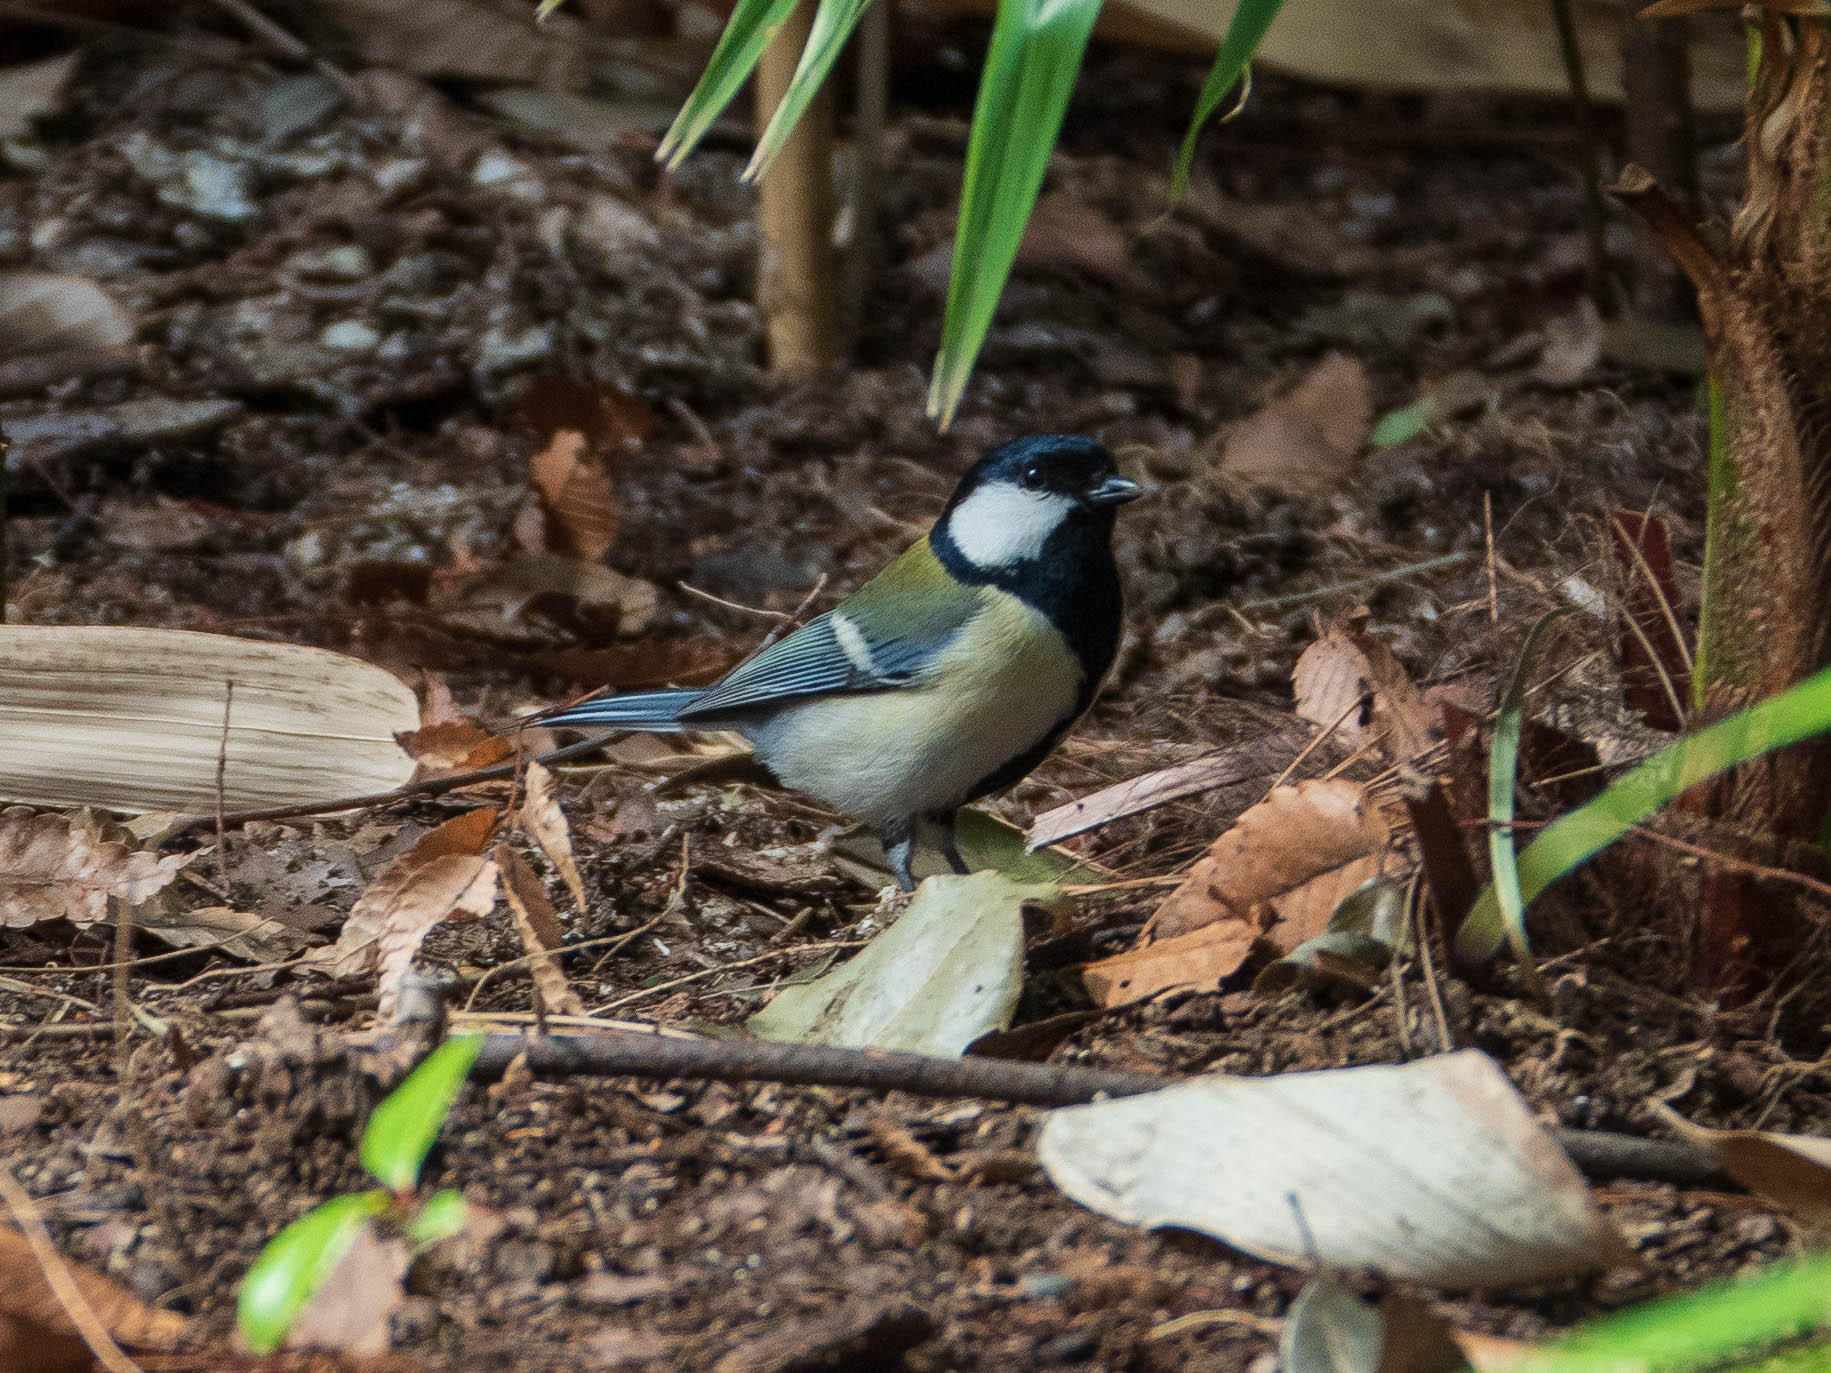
x=1503, y=772
x=443, y=1215
x=400, y=1133
x=1800, y=713
x=1735, y=1319
x=295, y=1264
x=1244, y=34
x=753, y=23
x=833, y=25
x=1023, y=92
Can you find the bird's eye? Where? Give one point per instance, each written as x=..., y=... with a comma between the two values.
x=1033, y=478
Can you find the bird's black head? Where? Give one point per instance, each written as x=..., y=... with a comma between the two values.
x=1053, y=492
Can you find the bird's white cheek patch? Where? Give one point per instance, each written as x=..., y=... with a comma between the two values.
x=1000, y=525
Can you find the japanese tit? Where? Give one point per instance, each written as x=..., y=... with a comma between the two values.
x=949, y=675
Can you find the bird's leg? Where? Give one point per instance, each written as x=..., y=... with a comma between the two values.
x=899, y=847
x=944, y=822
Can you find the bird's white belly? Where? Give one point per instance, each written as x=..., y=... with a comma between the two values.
x=1005, y=683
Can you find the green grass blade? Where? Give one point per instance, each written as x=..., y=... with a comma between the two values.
x=1800, y=713
x=1244, y=34
x=1023, y=92
x=748, y=32
x=400, y=1133
x=833, y=25
x=1701, y=1329
x=295, y=1264
x=1503, y=773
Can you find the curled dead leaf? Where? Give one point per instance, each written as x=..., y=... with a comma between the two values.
x=36, y=1332
x=540, y=931
x=542, y=818
x=445, y=873
x=1350, y=679
x=52, y=868
x=1306, y=439
x=574, y=486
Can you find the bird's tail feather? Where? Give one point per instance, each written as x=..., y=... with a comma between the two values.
x=656, y=712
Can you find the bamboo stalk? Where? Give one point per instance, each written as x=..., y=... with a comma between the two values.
x=796, y=283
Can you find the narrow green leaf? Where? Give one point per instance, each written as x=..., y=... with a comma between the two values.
x=753, y=23
x=1244, y=34
x=1700, y=1329
x=1503, y=773
x=401, y=1131
x=833, y=25
x=295, y=1264
x=442, y=1216
x=1023, y=93
x=1800, y=713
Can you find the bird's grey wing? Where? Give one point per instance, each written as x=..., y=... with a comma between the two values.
x=827, y=654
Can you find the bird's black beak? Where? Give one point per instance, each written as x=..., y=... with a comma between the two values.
x=1115, y=491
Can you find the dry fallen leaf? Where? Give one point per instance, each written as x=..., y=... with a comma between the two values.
x=132, y=720
x=540, y=931
x=53, y=869
x=44, y=311
x=444, y=874
x=1200, y=958
x=1306, y=439
x=575, y=491
x=1277, y=875
x=1793, y=1172
x=541, y=817
x=1434, y=1172
x=452, y=747
x=36, y=1334
x=351, y=1310
x=1336, y=676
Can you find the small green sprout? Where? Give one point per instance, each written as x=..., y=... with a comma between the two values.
x=399, y=1135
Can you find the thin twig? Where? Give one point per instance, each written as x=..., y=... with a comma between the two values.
x=830, y=945
x=1487, y=529
x=58, y=1278
x=123, y=953
x=1322, y=593
x=1311, y=747
x=658, y=1057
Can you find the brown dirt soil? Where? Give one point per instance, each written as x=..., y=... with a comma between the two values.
x=373, y=312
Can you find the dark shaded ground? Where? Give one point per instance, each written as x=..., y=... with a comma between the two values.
x=372, y=289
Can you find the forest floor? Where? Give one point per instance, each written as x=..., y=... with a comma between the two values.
x=366, y=287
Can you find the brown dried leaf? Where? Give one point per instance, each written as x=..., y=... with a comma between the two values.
x=446, y=749
x=52, y=869
x=575, y=491
x=1793, y=1172
x=1200, y=958
x=443, y=872
x=1272, y=873
x=547, y=596
x=540, y=931
x=36, y=1335
x=1306, y=439
x=540, y=815
x=1337, y=673
x=351, y=1310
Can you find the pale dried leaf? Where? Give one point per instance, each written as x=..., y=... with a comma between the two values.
x=478, y=39
x=53, y=869
x=1257, y=872
x=540, y=931
x=1199, y=958
x=42, y=312
x=463, y=837
x=1573, y=346
x=575, y=491
x=1337, y=674
x=1306, y=439
x=132, y=720
x=1793, y=1172
x=31, y=90
x=1434, y=1172
x=506, y=597
x=454, y=885
x=35, y=1331
x=351, y=1310
x=223, y=929
x=540, y=815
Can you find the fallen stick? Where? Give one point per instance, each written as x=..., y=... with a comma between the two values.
x=1598, y=1154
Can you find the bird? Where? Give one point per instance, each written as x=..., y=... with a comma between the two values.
x=949, y=675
